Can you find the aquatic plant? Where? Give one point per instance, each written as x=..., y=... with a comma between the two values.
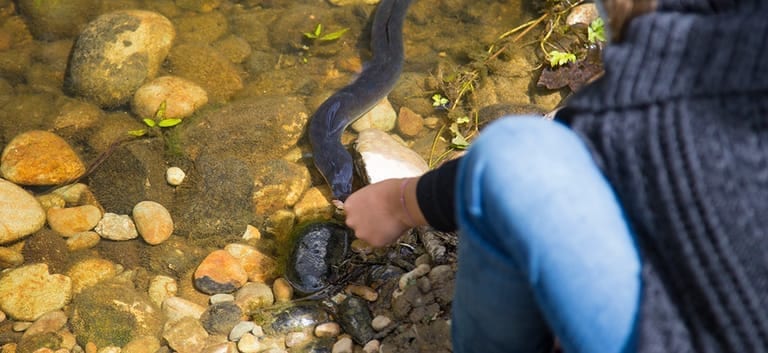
x=159, y=120
x=596, y=31
x=559, y=58
x=317, y=34
x=438, y=101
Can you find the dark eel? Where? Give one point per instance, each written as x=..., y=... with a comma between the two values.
x=347, y=105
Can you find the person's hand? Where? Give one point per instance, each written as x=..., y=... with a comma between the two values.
x=379, y=213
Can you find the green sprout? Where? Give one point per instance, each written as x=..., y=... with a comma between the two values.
x=317, y=34
x=596, y=31
x=558, y=58
x=157, y=121
x=438, y=101
x=459, y=141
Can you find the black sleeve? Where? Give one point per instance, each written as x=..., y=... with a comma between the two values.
x=435, y=194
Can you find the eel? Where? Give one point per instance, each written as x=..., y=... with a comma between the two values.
x=352, y=101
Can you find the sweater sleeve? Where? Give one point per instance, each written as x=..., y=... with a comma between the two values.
x=435, y=194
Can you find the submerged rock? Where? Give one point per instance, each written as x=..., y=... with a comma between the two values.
x=320, y=247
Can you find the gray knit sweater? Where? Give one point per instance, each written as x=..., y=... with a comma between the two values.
x=679, y=126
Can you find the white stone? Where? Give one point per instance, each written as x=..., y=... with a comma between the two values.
x=176, y=308
x=162, y=288
x=116, y=227
x=343, y=345
x=385, y=158
x=240, y=329
x=175, y=176
x=380, y=322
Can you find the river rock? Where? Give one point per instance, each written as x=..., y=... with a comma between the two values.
x=282, y=290
x=72, y=220
x=319, y=249
x=122, y=314
x=182, y=97
x=20, y=213
x=254, y=295
x=382, y=117
x=355, y=318
x=176, y=308
x=153, y=222
x=259, y=266
x=142, y=344
x=118, y=52
x=50, y=20
x=582, y=14
x=84, y=240
x=221, y=318
x=383, y=157
x=186, y=335
x=89, y=272
x=278, y=185
x=10, y=257
x=39, y=157
x=314, y=205
x=219, y=272
x=50, y=322
x=116, y=227
x=161, y=288
x=28, y=292
x=208, y=68
x=409, y=123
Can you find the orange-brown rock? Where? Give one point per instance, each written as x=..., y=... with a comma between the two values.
x=219, y=272
x=40, y=158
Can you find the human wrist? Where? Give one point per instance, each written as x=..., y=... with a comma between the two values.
x=410, y=213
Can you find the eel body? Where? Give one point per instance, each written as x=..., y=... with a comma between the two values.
x=349, y=103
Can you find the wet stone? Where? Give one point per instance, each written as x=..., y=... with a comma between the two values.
x=84, y=240
x=354, y=316
x=153, y=222
x=10, y=258
x=176, y=308
x=186, y=335
x=298, y=317
x=319, y=248
x=383, y=157
x=161, y=288
x=240, y=329
x=72, y=220
x=254, y=295
x=181, y=96
x=40, y=158
x=116, y=227
x=50, y=322
x=221, y=318
x=219, y=272
x=28, y=292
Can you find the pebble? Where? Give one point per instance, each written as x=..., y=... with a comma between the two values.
x=383, y=157
x=249, y=343
x=221, y=318
x=142, y=344
x=72, y=220
x=259, y=266
x=68, y=340
x=50, y=322
x=254, y=295
x=372, y=346
x=240, y=329
x=282, y=290
x=343, y=345
x=20, y=213
x=176, y=308
x=582, y=14
x=251, y=233
x=381, y=117
x=327, y=329
x=84, y=240
x=223, y=347
x=153, y=222
x=185, y=335
x=314, y=205
x=73, y=193
x=51, y=200
x=380, y=322
x=175, y=176
x=116, y=227
x=410, y=277
x=182, y=98
x=219, y=272
x=221, y=298
x=364, y=292
x=258, y=331
x=39, y=157
x=88, y=272
x=295, y=339
x=28, y=292
x=21, y=326
x=409, y=123
x=10, y=258
x=161, y=288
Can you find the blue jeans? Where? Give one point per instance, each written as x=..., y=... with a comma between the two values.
x=544, y=248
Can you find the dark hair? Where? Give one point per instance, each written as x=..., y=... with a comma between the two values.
x=620, y=12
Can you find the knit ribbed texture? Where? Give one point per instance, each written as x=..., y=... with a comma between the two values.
x=680, y=126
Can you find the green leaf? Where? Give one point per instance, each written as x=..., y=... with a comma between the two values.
x=334, y=35
x=462, y=120
x=169, y=122
x=314, y=34
x=160, y=113
x=558, y=58
x=137, y=133
x=438, y=100
x=149, y=122
x=458, y=140
x=596, y=31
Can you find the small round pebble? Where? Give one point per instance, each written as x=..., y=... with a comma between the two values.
x=294, y=339
x=72, y=220
x=327, y=329
x=116, y=227
x=240, y=329
x=343, y=345
x=21, y=326
x=410, y=277
x=153, y=221
x=258, y=331
x=221, y=298
x=364, y=292
x=175, y=176
x=282, y=290
x=84, y=240
x=372, y=346
x=380, y=322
